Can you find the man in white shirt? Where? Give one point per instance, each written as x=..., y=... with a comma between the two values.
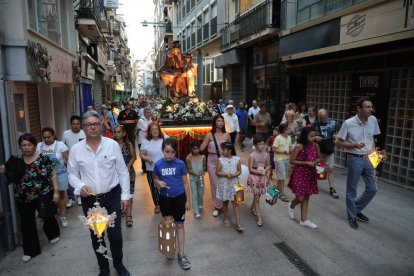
x=71, y=137
x=231, y=123
x=96, y=167
x=142, y=129
x=357, y=137
x=250, y=115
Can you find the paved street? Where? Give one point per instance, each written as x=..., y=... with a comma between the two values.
x=382, y=247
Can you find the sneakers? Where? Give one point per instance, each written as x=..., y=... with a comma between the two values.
x=309, y=224
x=63, y=222
x=333, y=193
x=26, y=258
x=70, y=203
x=79, y=200
x=197, y=215
x=215, y=213
x=184, y=263
x=291, y=212
x=361, y=217
x=55, y=240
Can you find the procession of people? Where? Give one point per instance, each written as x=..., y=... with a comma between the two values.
x=95, y=162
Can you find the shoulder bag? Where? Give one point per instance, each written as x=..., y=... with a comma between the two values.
x=327, y=146
x=215, y=143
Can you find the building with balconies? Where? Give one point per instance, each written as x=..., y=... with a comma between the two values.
x=338, y=51
x=250, y=53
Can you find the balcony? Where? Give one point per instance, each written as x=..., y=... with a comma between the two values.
x=168, y=3
x=260, y=23
x=88, y=17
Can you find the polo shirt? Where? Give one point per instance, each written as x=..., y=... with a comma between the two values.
x=128, y=119
x=354, y=131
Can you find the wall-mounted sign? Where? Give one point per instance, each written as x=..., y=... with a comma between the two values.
x=60, y=70
x=387, y=18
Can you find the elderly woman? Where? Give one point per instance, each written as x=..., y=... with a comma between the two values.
x=294, y=128
x=151, y=152
x=38, y=182
x=142, y=128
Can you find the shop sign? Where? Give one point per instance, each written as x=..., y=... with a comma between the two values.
x=119, y=86
x=388, y=18
x=111, y=4
x=60, y=70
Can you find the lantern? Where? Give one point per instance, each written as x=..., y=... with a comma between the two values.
x=376, y=157
x=98, y=220
x=271, y=196
x=167, y=236
x=321, y=170
x=239, y=196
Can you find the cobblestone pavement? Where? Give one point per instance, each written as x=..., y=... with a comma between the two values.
x=382, y=247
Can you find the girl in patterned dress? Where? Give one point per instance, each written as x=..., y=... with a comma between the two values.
x=303, y=181
x=228, y=171
x=128, y=152
x=258, y=180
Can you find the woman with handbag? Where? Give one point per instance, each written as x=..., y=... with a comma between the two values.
x=212, y=142
x=36, y=190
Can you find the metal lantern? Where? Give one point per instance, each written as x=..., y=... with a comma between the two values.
x=321, y=170
x=271, y=196
x=239, y=196
x=376, y=158
x=167, y=236
x=98, y=220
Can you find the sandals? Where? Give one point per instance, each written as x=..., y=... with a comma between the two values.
x=129, y=222
x=253, y=211
x=259, y=223
x=239, y=228
x=283, y=198
x=227, y=223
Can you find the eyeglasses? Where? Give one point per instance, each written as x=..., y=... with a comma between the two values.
x=92, y=125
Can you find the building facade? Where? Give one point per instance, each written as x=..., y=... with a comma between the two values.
x=337, y=51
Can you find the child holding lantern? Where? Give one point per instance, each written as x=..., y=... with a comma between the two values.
x=258, y=181
x=228, y=171
x=170, y=177
x=303, y=181
x=196, y=165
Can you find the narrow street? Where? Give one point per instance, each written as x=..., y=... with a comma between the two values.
x=381, y=247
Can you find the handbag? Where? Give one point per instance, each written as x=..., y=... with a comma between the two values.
x=215, y=143
x=47, y=208
x=271, y=196
x=15, y=169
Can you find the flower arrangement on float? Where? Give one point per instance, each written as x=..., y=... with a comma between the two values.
x=185, y=110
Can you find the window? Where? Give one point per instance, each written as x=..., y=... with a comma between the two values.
x=44, y=17
x=199, y=30
x=237, y=7
x=213, y=22
x=206, y=31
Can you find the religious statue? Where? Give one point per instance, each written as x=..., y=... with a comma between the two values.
x=178, y=72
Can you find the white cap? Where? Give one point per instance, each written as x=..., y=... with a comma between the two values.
x=229, y=106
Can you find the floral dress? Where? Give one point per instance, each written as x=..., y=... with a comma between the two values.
x=258, y=184
x=37, y=180
x=303, y=180
x=225, y=186
x=126, y=153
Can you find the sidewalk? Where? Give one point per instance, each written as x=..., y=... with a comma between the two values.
x=382, y=247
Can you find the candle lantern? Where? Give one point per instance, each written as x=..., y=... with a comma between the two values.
x=98, y=220
x=239, y=196
x=167, y=236
x=376, y=158
x=271, y=196
x=321, y=170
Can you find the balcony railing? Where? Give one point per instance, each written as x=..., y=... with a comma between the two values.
x=264, y=16
x=91, y=9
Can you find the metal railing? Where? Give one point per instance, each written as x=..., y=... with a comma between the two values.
x=257, y=19
x=89, y=9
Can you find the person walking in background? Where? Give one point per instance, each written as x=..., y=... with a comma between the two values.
x=221, y=107
x=212, y=142
x=312, y=114
x=228, y=171
x=253, y=110
x=231, y=123
x=170, y=176
x=288, y=107
x=129, y=119
x=151, y=152
x=142, y=129
x=242, y=116
x=357, y=137
x=36, y=182
x=97, y=168
x=112, y=116
x=196, y=166
x=258, y=181
x=269, y=144
x=128, y=152
x=293, y=127
x=327, y=130
x=282, y=149
x=262, y=121
x=303, y=181
x=71, y=137
x=58, y=153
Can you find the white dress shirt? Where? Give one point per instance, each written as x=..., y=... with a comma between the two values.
x=101, y=171
x=231, y=123
x=142, y=126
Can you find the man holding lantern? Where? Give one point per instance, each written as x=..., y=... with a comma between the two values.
x=357, y=137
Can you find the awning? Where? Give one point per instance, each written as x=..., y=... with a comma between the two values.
x=236, y=56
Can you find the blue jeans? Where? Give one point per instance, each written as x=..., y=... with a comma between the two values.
x=357, y=167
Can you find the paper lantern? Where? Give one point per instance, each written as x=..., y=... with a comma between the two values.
x=376, y=158
x=167, y=236
x=321, y=170
x=271, y=196
x=98, y=220
x=239, y=196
